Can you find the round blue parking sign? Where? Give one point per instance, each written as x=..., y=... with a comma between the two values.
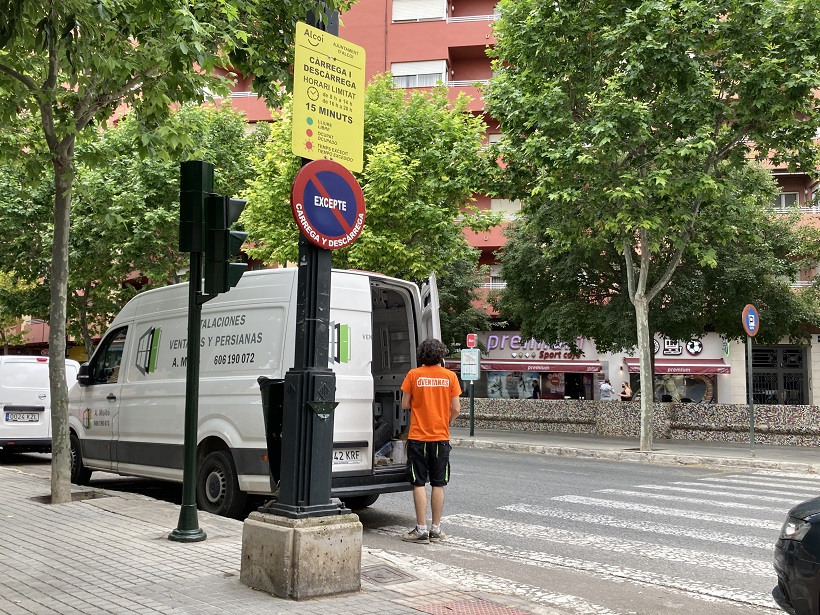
x=327, y=204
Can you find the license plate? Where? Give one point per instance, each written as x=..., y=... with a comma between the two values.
x=342, y=456
x=22, y=417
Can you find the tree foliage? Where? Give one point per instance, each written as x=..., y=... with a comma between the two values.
x=69, y=64
x=125, y=232
x=628, y=125
x=423, y=163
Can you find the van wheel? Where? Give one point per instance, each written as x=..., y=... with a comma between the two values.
x=80, y=475
x=361, y=501
x=217, y=488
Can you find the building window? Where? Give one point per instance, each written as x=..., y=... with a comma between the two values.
x=505, y=206
x=785, y=201
x=419, y=10
x=419, y=74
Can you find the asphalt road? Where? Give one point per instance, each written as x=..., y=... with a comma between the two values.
x=597, y=537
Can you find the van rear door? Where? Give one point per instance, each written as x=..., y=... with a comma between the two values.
x=430, y=325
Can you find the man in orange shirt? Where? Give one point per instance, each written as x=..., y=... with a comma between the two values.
x=430, y=392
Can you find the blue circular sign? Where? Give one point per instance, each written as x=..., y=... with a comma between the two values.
x=327, y=204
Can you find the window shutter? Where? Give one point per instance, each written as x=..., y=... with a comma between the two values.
x=417, y=10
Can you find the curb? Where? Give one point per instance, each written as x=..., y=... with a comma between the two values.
x=638, y=457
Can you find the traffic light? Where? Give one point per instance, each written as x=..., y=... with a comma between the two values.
x=196, y=181
x=221, y=244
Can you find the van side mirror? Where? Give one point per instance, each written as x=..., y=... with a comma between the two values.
x=84, y=375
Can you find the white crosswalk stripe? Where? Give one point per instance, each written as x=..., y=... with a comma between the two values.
x=796, y=486
x=463, y=579
x=684, y=537
x=641, y=577
x=687, y=500
x=606, y=543
x=644, y=526
x=740, y=496
x=670, y=512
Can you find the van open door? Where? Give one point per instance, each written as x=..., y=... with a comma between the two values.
x=430, y=325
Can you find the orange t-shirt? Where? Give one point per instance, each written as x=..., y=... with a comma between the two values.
x=431, y=387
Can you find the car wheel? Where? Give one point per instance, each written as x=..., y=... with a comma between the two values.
x=217, y=488
x=80, y=475
x=361, y=501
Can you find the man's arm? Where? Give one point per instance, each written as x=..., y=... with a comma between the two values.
x=405, y=400
x=455, y=409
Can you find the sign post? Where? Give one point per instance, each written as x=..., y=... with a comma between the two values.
x=471, y=371
x=751, y=324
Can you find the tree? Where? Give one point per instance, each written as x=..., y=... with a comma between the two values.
x=586, y=297
x=71, y=63
x=423, y=163
x=628, y=122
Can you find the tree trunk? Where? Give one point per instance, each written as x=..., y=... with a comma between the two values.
x=60, y=444
x=645, y=351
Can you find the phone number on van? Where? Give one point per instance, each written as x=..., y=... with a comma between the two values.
x=233, y=359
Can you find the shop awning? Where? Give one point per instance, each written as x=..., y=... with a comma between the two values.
x=501, y=365
x=682, y=366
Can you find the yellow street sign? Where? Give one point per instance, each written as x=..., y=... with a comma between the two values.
x=328, y=98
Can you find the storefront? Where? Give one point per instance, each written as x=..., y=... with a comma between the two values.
x=516, y=379
x=683, y=379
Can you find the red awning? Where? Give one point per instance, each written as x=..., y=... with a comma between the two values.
x=531, y=366
x=682, y=365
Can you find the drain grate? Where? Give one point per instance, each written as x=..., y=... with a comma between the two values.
x=385, y=575
x=470, y=607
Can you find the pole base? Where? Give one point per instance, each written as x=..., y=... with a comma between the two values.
x=302, y=558
x=335, y=507
x=195, y=535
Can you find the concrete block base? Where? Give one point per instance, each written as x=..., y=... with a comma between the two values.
x=302, y=558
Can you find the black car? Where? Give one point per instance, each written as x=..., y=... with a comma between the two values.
x=797, y=561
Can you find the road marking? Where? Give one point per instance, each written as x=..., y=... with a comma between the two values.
x=742, y=496
x=634, y=548
x=751, y=488
x=758, y=482
x=694, y=589
x=801, y=476
x=671, y=512
x=645, y=526
x=469, y=580
x=680, y=498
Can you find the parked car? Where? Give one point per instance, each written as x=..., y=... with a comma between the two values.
x=25, y=398
x=797, y=560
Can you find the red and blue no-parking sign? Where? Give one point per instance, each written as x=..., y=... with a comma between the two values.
x=327, y=204
x=751, y=320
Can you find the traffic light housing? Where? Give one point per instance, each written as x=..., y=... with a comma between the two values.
x=221, y=244
x=196, y=182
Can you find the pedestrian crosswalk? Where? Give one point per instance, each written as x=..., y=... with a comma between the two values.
x=707, y=539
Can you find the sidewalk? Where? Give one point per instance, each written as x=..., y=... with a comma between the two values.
x=108, y=553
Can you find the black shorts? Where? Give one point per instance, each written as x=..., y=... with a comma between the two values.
x=428, y=462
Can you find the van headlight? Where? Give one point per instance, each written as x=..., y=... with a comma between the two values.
x=794, y=529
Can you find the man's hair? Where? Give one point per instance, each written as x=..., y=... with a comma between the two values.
x=430, y=352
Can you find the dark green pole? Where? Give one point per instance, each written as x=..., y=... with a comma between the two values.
x=196, y=182
x=472, y=410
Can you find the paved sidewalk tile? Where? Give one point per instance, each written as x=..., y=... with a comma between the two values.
x=110, y=555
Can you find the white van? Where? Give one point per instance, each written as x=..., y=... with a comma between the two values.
x=26, y=401
x=127, y=411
